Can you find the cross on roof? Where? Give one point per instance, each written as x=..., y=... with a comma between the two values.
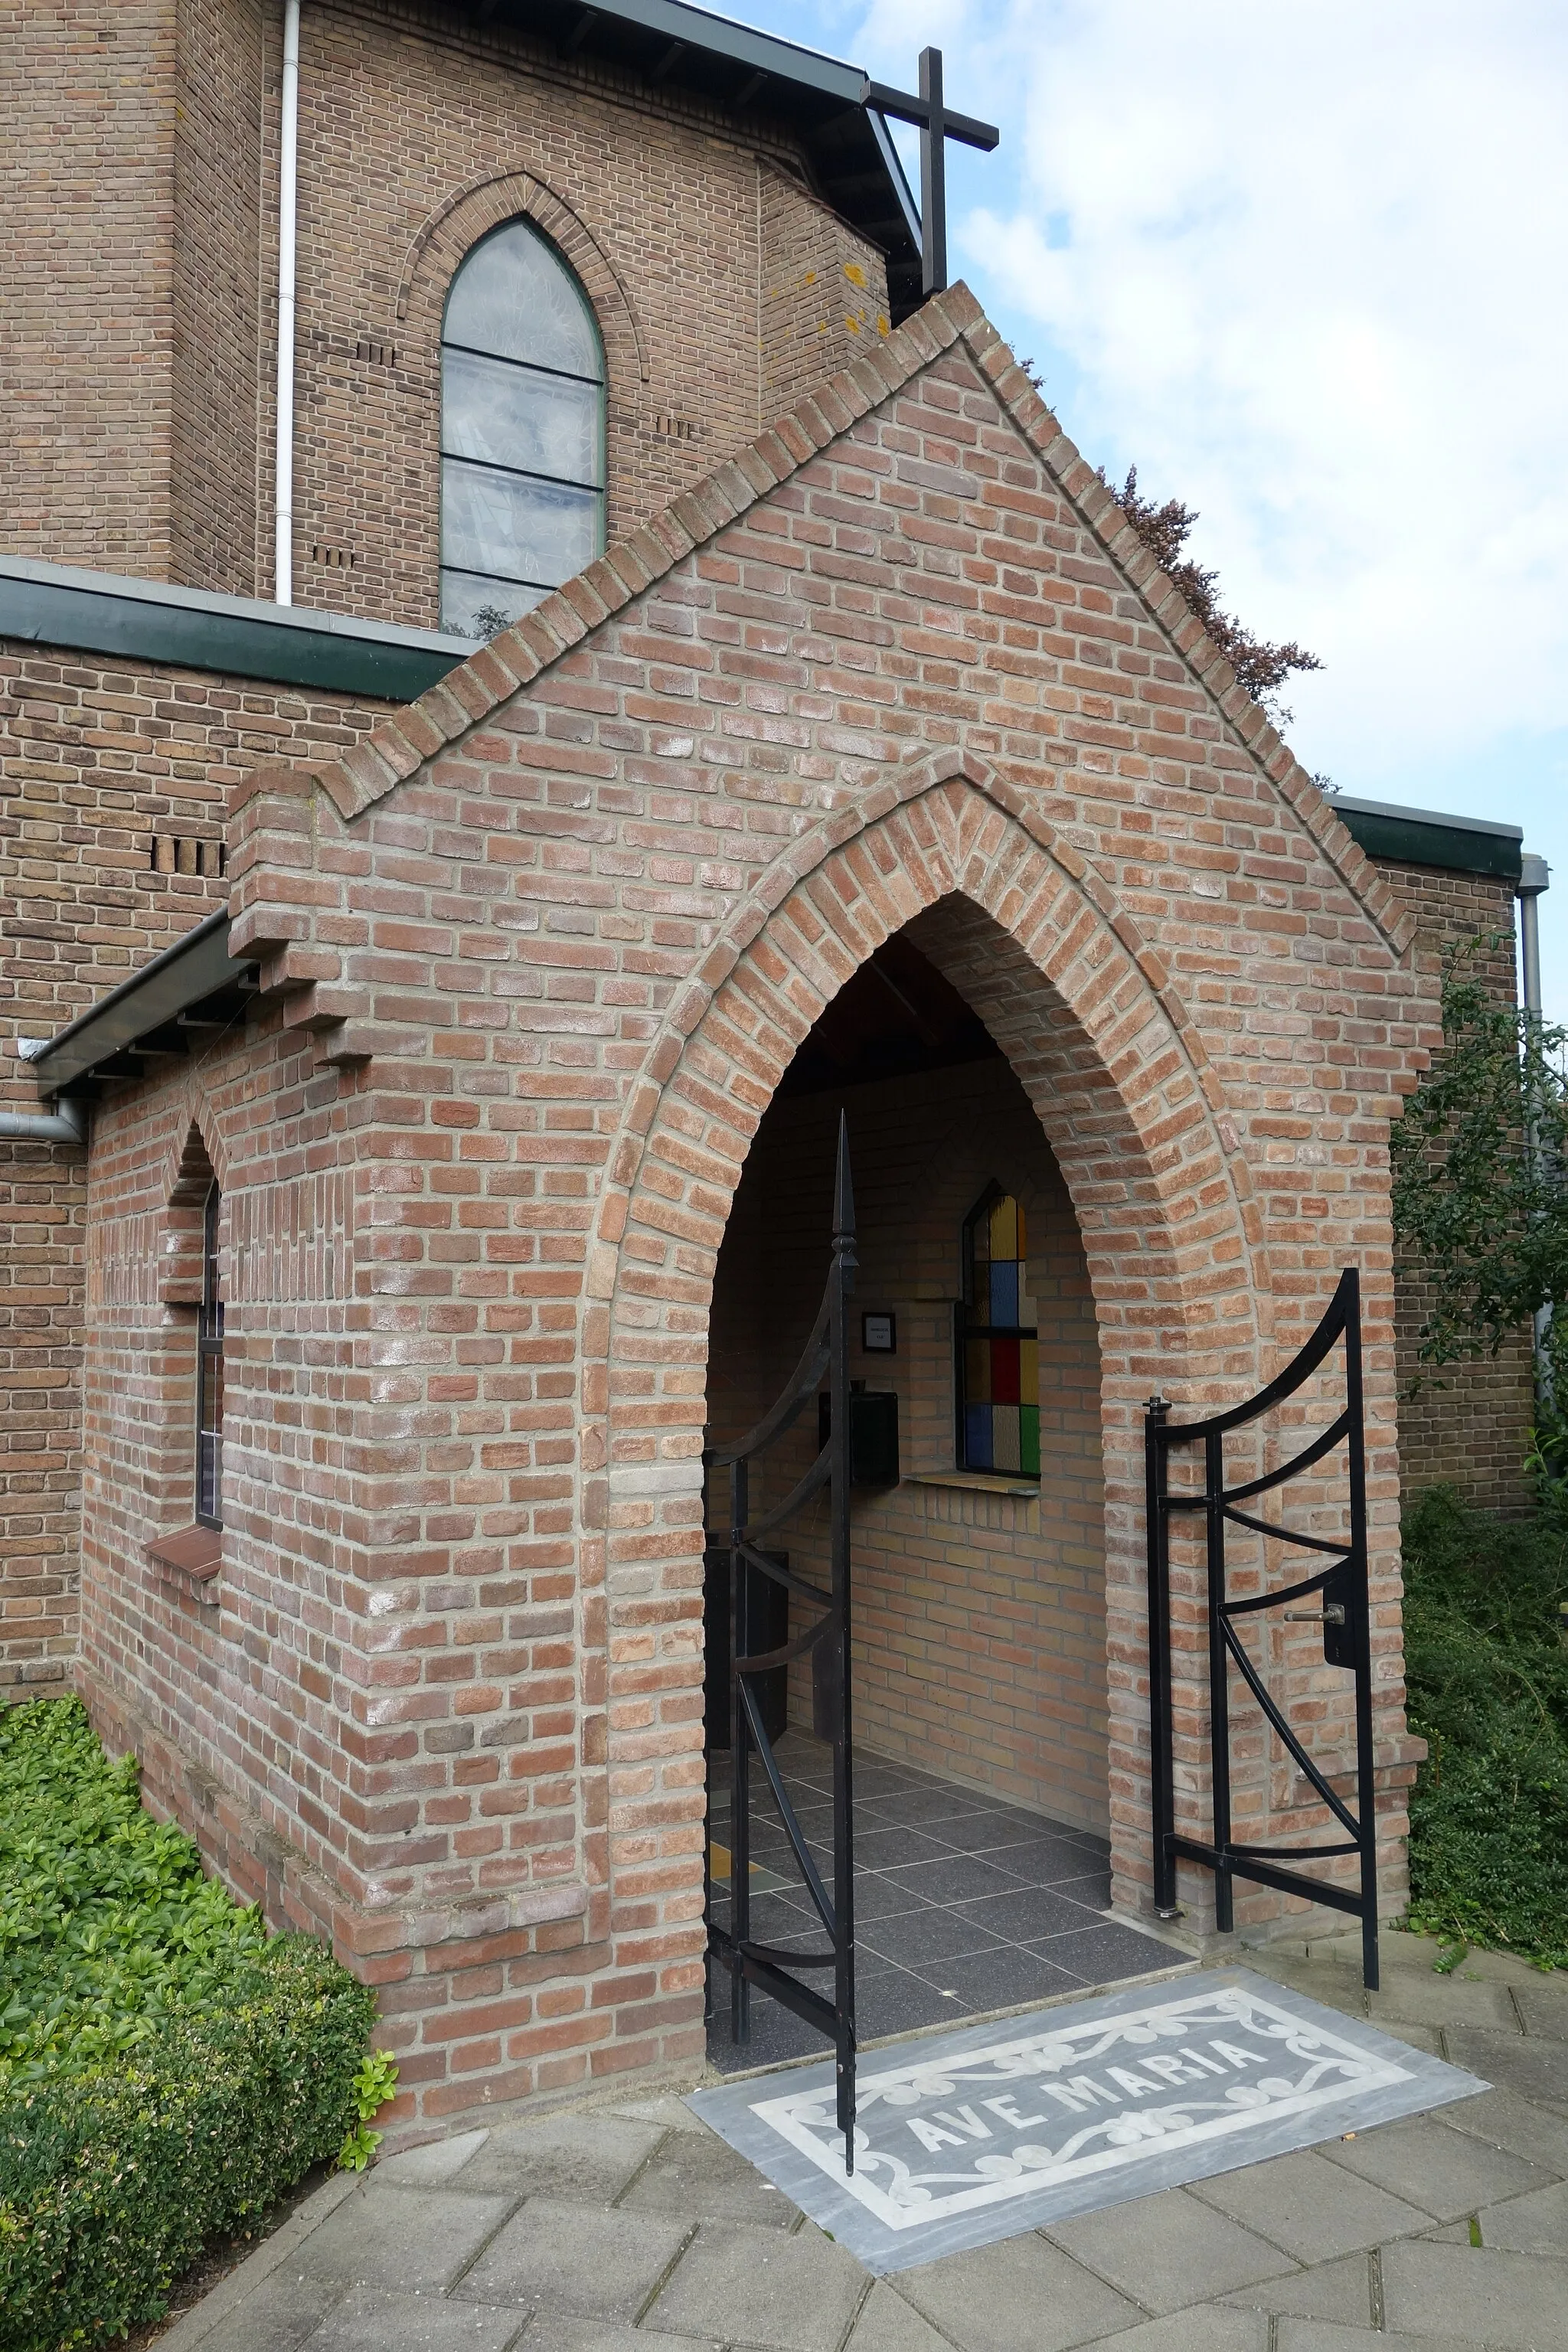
x=937, y=124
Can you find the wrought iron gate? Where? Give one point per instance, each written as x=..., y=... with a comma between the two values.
x=826, y=1639
x=1341, y=1589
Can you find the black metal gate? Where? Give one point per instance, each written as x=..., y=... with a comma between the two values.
x=826, y=1638
x=1341, y=1588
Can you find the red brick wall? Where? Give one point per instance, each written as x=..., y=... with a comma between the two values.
x=555, y=933
x=979, y=1612
x=104, y=766
x=87, y=107
x=1466, y=1425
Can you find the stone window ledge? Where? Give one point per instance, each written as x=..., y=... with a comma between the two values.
x=195, y=1554
x=983, y=1482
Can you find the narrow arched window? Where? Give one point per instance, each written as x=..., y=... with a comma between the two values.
x=998, y=1343
x=209, y=1373
x=522, y=432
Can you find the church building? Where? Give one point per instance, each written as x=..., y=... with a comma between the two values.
x=574, y=731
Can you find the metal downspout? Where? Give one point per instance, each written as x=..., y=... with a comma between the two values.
x=287, y=206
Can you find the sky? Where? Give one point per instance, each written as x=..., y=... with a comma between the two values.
x=1303, y=263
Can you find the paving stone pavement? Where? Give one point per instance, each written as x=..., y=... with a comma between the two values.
x=624, y=2225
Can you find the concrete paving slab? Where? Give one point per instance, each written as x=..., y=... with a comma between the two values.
x=888, y=2324
x=554, y=2332
x=1322, y=2336
x=1440, y=2171
x=1543, y=2005
x=1475, y=2294
x=402, y=2239
x=591, y=2158
x=704, y=2179
x=1022, y=2295
x=576, y=2259
x=1340, y=2291
x=1309, y=2207
x=413, y=2323
x=1202, y=2328
x=1536, y=2224
x=280, y=2318
x=1442, y=2001
x=751, y=2287
x=1535, y=2068
x=435, y=2162
x=1504, y=2120
x=1168, y=2251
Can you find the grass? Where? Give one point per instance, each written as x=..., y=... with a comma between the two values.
x=1487, y=1666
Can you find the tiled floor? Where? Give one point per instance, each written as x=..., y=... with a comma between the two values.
x=962, y=1902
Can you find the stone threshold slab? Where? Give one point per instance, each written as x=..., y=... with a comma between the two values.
x=965, y=2137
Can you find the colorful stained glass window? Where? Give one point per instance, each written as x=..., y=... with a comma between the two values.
x=999, y=1348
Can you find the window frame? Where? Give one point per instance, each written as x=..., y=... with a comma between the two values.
x=601, y=384
x=209, y=1351
x=965, y=1328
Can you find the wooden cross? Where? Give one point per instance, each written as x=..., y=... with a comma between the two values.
x=936, y=125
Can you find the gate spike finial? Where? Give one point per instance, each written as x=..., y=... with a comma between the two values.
x=843, y=1192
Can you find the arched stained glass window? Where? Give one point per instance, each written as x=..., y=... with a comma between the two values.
x=998, y=1344
x=522, y=432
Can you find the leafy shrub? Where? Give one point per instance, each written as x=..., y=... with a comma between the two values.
x=166, y=2072
x=1487, y=1676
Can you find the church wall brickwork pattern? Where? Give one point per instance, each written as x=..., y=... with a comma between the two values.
x=116, y=780
x=533, y=960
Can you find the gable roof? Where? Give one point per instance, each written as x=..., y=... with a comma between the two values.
x=402, y=744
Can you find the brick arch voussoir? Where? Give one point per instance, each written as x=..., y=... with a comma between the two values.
x=456, y=226
x=192, y=1113
x=956, y=828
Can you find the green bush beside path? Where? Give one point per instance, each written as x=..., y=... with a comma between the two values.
x=167, y=2072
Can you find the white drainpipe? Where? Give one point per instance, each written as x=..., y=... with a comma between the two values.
x=288, y=195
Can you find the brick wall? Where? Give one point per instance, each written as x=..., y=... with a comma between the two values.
x=141, y=292
x=115, y=782
x=86, y=102
x=532, y=962
x=1469, y=1424
x=220, y=125
x=979, y=1613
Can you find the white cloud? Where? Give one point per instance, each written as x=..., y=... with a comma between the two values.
x=1304, y=263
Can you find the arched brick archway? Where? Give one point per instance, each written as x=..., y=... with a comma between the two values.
x=1100, y=1043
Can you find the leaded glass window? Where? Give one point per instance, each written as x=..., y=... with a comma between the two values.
x=522, y=432
x=998, y=1344
x=209, y=1373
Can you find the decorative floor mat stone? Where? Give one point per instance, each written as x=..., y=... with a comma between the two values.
x=965, y=2137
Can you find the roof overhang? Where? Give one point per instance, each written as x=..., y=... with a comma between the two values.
x=821, y=102
x=1413, y=837
x=192, y=991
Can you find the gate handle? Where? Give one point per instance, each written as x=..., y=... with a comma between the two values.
x=1334, y=1614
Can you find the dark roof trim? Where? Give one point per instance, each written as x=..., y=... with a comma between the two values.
x=1412, y=836
x=822, y=104
x=194, y=969
x=241, y=636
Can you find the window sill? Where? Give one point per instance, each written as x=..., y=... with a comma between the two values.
x=194, y=1551
x=983, y=1482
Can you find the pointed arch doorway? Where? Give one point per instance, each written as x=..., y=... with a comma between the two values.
x=977, y=1524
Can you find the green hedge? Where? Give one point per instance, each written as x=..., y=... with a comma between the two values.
x=1487, y=1676
x=166, y=2072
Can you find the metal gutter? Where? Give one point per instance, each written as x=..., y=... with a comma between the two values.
x=194, y=968
x=1413, y=837
x=241, y=636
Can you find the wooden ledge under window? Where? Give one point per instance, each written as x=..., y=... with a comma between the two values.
x=195, y=1551
x=983, y=1481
